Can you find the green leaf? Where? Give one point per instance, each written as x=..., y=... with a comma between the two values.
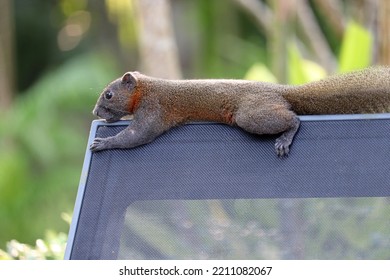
x=260, y=72
x=296, y=69
x=356, y=48
x=300, y=70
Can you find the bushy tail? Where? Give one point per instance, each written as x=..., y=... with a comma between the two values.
x=364, y=91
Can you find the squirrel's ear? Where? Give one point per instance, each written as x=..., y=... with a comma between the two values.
x=129, y=80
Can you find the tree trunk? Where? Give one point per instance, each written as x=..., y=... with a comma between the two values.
x=384, y=32
x=283, y=24
x=158, y=49
x=6, y=54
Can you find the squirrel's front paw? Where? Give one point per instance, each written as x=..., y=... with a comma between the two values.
x=99, y=144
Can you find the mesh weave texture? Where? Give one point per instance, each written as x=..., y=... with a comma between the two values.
x=213, y=161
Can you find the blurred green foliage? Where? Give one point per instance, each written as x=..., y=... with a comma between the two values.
x=43, y=139
x=52, y=247
x=43, y=135
x=356, y=48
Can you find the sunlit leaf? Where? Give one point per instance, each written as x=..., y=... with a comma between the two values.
x=355, y=49
x=300, y=70
x=260, y=72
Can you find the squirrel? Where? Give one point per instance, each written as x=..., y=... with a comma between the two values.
x=257, y=107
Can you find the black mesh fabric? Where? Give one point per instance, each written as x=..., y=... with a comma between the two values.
x=223, y=167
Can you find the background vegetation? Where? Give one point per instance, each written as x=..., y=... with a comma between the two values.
x=55, y=57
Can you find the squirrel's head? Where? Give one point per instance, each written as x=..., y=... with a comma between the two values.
x=115, y=100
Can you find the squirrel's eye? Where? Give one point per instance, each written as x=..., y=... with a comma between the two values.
x=108, y=94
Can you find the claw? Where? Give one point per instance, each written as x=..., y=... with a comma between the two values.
x=282, y=148
x=97, y=145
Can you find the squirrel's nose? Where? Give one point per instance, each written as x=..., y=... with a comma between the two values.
x=95, y=111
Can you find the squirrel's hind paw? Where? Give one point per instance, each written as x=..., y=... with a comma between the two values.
x=282, y=147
